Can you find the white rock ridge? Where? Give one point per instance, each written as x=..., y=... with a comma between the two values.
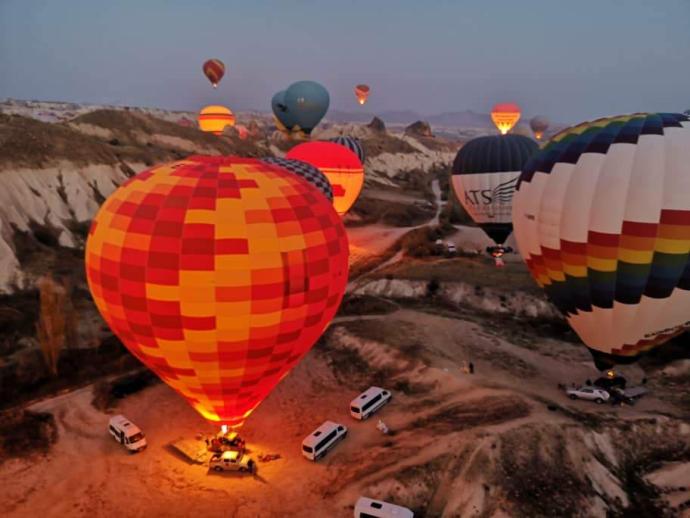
x=55, y=197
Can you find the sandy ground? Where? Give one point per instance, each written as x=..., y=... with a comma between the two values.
x=89, y=474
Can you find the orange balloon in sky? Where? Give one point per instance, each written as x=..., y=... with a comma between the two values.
x=219, y=274
x=362, y=93
x=214, y=118
x=341, y=166
x=505, y=116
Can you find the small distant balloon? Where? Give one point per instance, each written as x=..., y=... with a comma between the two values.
x=505, y=116
x=362, y=93
x=214, y=70
x=539, y=125
x=214, y=119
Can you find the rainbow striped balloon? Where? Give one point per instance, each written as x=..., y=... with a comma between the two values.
x=602, y=217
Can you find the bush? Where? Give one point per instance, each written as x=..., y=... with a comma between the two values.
x=25, y=432
x=107, y=393
x=432, y=287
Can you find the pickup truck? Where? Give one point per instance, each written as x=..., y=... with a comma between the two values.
x=231, y=461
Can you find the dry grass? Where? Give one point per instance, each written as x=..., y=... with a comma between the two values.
x=487, y=411
x=538, y=476
x=30, y=143
x=106, y=394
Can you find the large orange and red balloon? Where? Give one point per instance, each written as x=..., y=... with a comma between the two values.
x=341, y=166
x=214, y=70
x=362, y=93
x=215, y=118
x=505, y=116
x=219, y=274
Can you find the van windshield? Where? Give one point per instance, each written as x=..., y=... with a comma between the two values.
x=136, y=438
x=308, y=449
x=354, y=409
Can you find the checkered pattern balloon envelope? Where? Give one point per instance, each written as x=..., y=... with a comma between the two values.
x=219, y=274
x=306, y=171
x=351, y=143
x=602, y=217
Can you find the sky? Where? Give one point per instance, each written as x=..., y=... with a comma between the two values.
x=569, y=60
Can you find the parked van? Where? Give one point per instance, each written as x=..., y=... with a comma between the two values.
x=369, y=508
x=369, y=402
x=325, y=437
x=127, y=433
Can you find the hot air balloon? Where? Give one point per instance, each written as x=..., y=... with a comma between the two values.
x=484, y=174
x=340, y=165
x=214, y=70
x=351, y=143
x=219, y=274
x=505, y=116
x=539, y=125
x=602, y=218
x=306, y=171
x=306, y=103
x=362, y=93
x=215, y=118
x=242, y=131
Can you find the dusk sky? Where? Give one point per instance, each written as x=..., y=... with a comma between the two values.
x=568, y=60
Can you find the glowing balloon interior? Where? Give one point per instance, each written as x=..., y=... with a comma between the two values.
x=214, y=119
x=539, y=125
x=219, y=274
x=602, y=218
x=505, y=116
x=362, y=93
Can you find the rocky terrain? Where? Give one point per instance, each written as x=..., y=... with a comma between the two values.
x=504, y=441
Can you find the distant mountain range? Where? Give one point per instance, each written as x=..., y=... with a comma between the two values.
x=451, y=119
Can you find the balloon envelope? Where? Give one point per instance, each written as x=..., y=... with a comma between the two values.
x=215, y=118
x=351, y=143
x=485, y=172
x=219, y=274
x=306, y=171
x=362, y=93
x=539, y=125
x=505, y=116
x=340, y=165
x=214, y=70
x=307, y=102
x=602, y=218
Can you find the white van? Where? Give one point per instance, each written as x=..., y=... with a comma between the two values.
x=325, y=437
x=369, y=508
x=127, y=433
x=369, y=402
